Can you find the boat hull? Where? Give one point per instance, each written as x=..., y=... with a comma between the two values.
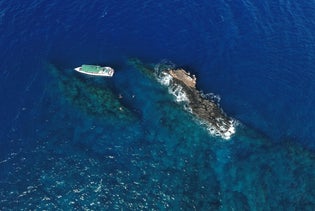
x=104, y=72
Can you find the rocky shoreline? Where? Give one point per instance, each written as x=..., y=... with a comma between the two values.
x=183, y=86
x=204, y=109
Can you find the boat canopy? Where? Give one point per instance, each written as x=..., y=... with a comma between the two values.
x=92, y=68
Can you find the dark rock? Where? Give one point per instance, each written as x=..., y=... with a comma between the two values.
x=205, y=109
x=183, y=85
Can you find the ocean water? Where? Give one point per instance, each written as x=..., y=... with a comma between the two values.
x=69, y=142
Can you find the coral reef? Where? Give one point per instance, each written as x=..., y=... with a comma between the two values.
x=90, y=97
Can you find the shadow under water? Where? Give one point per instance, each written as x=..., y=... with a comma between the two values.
x=152, y=155
x=91, y=97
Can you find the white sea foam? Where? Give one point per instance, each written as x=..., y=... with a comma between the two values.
x=178, y=92
x=174, y=89
x=225, y=132
x=165, y=79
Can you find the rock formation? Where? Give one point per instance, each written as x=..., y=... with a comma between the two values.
x=206, y=110
x=183, y=86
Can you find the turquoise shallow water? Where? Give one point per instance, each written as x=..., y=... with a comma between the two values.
x=155, y=156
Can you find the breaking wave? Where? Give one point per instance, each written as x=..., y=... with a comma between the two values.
x=166, y=80
x=163, y=66
x=225, y=132
x=174, y=89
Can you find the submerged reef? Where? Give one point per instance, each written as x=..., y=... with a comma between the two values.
x=91, y=98
x=162, y=161
x=183, y=86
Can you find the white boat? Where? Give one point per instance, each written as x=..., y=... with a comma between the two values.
x=95, y=70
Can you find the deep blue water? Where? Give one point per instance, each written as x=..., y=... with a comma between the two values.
x=61, y=148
